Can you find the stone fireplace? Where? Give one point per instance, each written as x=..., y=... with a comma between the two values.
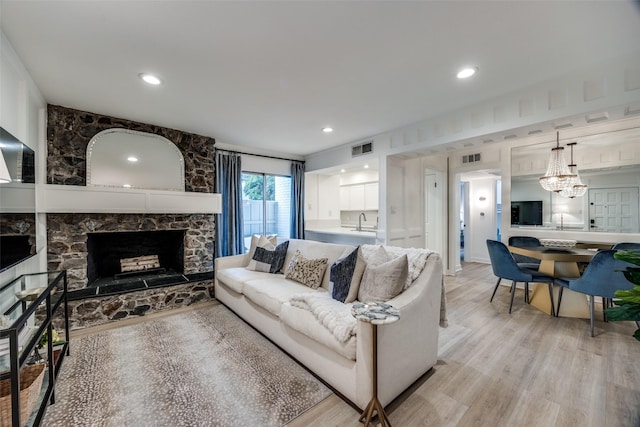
x=91, y=228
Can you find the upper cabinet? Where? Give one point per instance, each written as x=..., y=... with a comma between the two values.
x=359, y=197
x=320, y=197
x=371, y=196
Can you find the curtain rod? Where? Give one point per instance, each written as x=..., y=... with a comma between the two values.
x=257, y=155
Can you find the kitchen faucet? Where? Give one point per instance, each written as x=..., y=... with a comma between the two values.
x=362, y=215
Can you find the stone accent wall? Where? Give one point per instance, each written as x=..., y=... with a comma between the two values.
x=98, y=311
x=67, y=239
x=69, y=132
x=19, y=224
x=17, y=227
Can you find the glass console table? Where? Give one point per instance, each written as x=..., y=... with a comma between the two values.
x=27, y=306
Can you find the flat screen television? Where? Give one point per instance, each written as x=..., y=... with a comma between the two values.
x=526, y=213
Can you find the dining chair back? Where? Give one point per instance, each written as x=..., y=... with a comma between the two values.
x=602, y=278
x=525, y=242
x=626, y=246
x=505, y=267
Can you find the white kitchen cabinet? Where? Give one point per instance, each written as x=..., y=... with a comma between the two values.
x=344, y=198
x=359, y=197
x=320, y=197
x=356, y=197
x=371, y=196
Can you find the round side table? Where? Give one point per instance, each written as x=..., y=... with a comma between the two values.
x=376, y=314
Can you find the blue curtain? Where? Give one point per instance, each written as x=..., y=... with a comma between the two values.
x=297, y=200
x=229, y=232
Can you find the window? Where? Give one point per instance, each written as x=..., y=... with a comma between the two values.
x=266, y=205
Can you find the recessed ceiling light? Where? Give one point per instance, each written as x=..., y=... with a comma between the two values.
x=126, y=185
x=132, y=159
x=150, y=78
x=342, y=170
x=467, y=72
x=366, y=166
x=327, y=129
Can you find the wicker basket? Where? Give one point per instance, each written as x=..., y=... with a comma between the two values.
x=30, y=384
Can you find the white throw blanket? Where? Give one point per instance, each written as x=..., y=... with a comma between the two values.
x=334, y=315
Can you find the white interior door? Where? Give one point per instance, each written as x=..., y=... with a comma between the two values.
x=614, y=210
x=433, y=216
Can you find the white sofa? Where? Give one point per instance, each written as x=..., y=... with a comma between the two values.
x=407, y=348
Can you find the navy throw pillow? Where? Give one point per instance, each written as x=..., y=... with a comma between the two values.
x=274, y=258
x=341, y=275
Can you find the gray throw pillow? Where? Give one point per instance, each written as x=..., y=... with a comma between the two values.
x=385, y=281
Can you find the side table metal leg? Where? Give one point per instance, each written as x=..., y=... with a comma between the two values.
x=375, y=404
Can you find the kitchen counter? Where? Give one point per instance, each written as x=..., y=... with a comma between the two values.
x=342, y=235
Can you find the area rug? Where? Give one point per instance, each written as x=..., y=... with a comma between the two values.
x=205, y=367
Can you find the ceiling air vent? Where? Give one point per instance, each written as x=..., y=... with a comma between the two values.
x=358, y=150
x=471, y=158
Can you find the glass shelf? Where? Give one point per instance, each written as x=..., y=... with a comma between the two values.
x=27, y=306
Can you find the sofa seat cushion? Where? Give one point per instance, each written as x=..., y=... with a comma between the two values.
x=273, y=291
x=307, y=324
x=235, y=278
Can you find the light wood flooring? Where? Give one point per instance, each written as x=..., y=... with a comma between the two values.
x=523, y=369
x=496, y=369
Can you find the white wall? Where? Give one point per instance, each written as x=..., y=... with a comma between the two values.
x=358, y=177
x=23, y=114
x=404, y=203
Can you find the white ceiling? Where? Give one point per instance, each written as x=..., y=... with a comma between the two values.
x=271, y=74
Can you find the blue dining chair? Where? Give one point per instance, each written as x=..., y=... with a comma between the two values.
x=525, y=242
x=602, y=277
x=626, y=246
x=505, y=267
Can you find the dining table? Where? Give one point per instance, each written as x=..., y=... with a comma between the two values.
x=559, y=262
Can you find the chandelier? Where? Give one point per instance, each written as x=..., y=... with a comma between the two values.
x=558, y=176
x=575, y=188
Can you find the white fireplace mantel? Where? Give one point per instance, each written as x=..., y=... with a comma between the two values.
x=89, y=199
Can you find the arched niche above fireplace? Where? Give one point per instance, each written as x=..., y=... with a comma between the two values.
x=132, y=159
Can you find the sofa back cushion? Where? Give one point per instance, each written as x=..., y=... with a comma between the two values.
x=311, y=249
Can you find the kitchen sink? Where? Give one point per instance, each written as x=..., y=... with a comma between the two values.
x=365, y=230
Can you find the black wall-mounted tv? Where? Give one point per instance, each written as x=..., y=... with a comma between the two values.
x=526, y=213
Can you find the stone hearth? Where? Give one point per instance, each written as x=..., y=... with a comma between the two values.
x=67, y=236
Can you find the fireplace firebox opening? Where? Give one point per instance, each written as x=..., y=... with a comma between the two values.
x=105, y=252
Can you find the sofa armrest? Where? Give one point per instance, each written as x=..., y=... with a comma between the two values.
x=409, y=347
x=231, y=261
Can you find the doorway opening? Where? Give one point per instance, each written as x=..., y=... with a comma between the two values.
x=479, y=215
